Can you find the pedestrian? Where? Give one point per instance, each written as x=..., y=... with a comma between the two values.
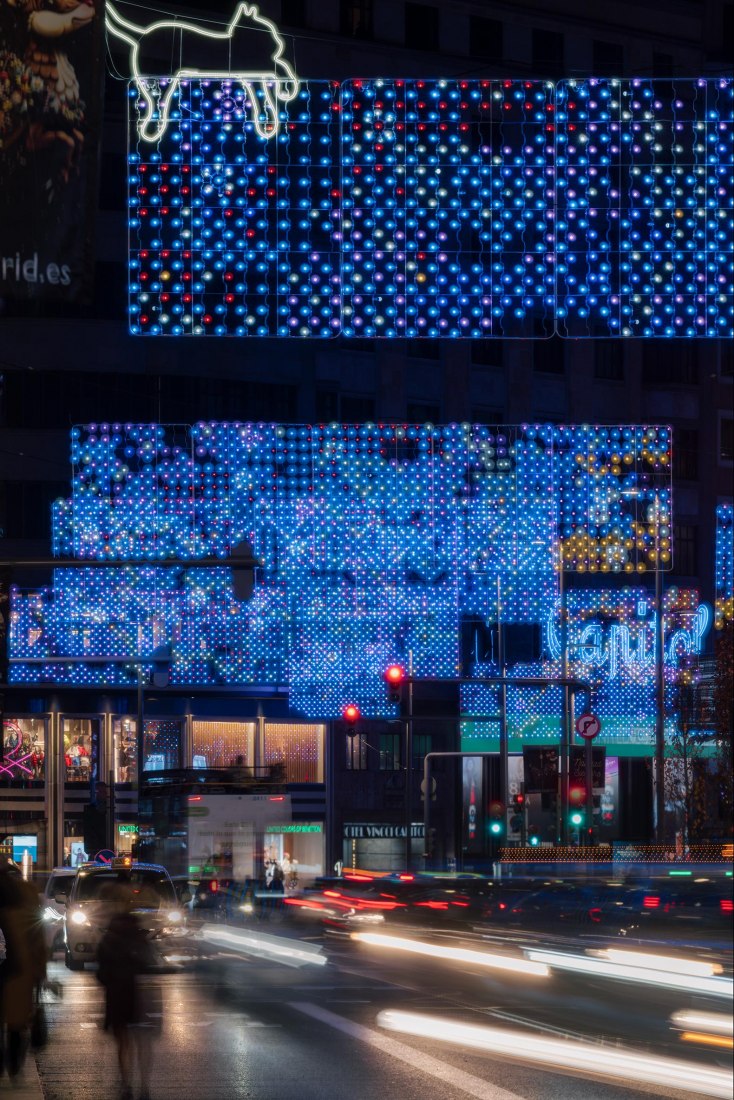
x=24, y=968
x=125, y=956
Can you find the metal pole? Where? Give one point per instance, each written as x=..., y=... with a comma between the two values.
x=426, y=808
x=563, y=760
x=139, y=737
x=659, y=698
x=589, y=769
x=504, y=757
x=409, y=766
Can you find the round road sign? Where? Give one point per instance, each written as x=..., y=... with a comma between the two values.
x=588, y=726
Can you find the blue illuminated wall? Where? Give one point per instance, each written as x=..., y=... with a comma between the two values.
x=456, y=208
x=378, y=543
x=724, y=572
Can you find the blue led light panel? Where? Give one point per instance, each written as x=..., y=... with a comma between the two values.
x=724, y=567
x=448, y=208
x=644, y=222
x=232, y=234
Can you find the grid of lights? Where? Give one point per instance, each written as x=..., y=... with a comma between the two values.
x=376, y=541
x=724, y=568
x=436, y=208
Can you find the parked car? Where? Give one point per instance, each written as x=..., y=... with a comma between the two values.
x=53, y=900
x=99, y=889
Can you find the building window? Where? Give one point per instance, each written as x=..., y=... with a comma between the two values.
x=422, y=744
x=355, y=409
x=548, y=52
x=126, y=749
x=355, y=18
x=726, y=439
x=356, y=746
x=161, y=744
x=24, y=751
x=421, y=413
x=390, y=752
x=223, y=744
x=488, y=353
x=421, y=27
x=685, y=549
x=608, y=361
x=662, y=65
x=298, y=747
x=326, y=406
x=548, y=356
x=608, y=58
x=293, y=13
x=486, y=38
x=80, y=748
x=423, y=349
x=480, y=414
x=685, y=454
x=667, y=365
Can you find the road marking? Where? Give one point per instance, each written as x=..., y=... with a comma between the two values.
x=443, y=1071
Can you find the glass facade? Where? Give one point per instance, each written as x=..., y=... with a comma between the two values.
x=24, y=751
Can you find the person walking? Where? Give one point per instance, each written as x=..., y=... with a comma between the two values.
x=24, y=968
x=125, y=955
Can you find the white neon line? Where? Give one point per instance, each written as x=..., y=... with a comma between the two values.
x=283, y=75
x=416, y=1059
x=568, y=1054
x=717, y=987
x=453, y=954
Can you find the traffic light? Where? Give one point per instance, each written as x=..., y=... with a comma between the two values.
x=395, y=680
x=496, y=820
x=518, y=812
x=576, y=805
x=351, y=715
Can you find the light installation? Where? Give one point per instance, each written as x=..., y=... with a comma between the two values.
x=378, y=543
x=437, y=208
x=724, y=568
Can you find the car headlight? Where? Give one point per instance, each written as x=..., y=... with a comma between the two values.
x=77, y=917
x=248, y=907
x=175, y=916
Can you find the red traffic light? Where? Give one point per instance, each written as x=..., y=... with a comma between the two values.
x=519, y=799
x=395, y=675
x=350, y=713
x=576, y=795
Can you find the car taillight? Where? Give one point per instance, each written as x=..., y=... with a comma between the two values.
x=595, y=915
x=214, y=886
x=726, y=905
x=650, y=901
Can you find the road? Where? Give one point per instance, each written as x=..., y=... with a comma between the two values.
x=246, y=1025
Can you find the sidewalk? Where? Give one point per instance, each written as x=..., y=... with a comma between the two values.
x=27, y=1085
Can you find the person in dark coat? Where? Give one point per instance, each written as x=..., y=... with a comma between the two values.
x=125, y=955
x=24, y=967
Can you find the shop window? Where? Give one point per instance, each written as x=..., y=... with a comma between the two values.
x=298, y=747
x=24, y=751
x=390, y=752
x=486, y=38
x=81, y=739
x=421, y=27
x=161, y=744
x=357, y=749
x=126, y=749
x=224, y=744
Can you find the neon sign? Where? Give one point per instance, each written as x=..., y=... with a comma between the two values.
x=266, y=87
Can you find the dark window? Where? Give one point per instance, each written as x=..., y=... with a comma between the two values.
x=685, y=549
x=662, y=65
x=326, y=406
x=608, y=361
x=421, y=27
x=356, y=409
x=421, y=413
x=422, y=744
x=685, y=453
x=390, y=752
x=423, y=349
x=486, y=38
x=355, y=18
x=726, y=439
x=663, y=364
x=293, y=13
x=356, y=747
x=548, y=355
x=488, y=353
x=608, y=58
x=27, y=508
x=547, y=53
x=480, y=414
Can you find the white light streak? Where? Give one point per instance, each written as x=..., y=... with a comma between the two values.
x=250, y=943
x=454, y=954
x=601, y=968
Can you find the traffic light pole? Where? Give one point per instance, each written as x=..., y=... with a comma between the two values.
x=409, y=769
x=504, y=749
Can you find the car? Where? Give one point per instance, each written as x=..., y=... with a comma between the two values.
x=53, y=900
x=99, y=890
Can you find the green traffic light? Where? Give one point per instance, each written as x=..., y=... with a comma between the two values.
x=534, y=841
x=577, y=818
x=495, y=828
